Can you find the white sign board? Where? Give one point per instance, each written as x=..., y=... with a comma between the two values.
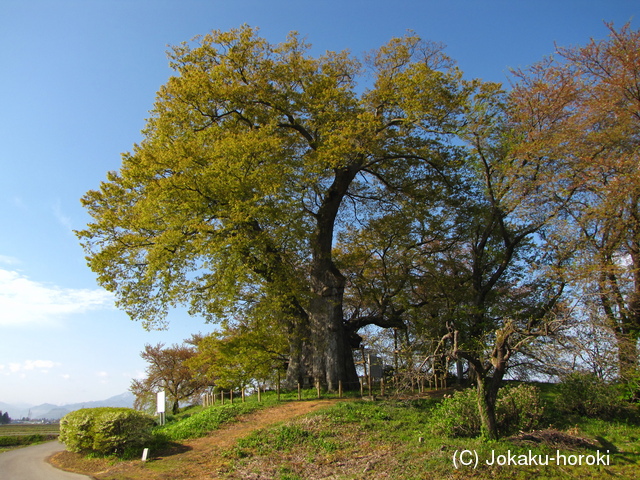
x=161, y=401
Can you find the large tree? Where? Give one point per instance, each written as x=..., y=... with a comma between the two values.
x=583, y=106
x=254, y=157
x=472, y=272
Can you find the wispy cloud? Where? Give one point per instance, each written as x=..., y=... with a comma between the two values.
x=24, y=302
x=63, y=219
x=42, y=366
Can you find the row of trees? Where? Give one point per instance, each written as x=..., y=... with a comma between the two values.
x=277, y=195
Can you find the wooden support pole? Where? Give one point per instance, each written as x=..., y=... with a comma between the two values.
x=318, y=387
x=242, y=394
x=222, y=396
x=339, y=388
x=299, y=391
x=231, y=396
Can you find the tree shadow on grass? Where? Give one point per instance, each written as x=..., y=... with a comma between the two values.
x=170, y=449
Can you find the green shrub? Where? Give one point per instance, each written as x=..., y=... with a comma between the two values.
x=586, y=394
x=105, y=431
x=517, y=408
x=457, y=415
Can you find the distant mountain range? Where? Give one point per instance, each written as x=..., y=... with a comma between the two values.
x=55, y=412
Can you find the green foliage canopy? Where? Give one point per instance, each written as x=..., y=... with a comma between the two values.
x=254, y=157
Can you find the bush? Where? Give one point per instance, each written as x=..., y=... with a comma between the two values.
x=105, y=431
x=517, y=408
x=457, y=415
x=586, y=394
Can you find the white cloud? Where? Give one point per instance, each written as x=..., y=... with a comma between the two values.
x=104, y=376
x=24, y=302
x=38, y=364
x=43, y=366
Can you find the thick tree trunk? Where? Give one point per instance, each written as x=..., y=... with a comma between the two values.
x=332, y=354
x=300, y=354
x=319, y=348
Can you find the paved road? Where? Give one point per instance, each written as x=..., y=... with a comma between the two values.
x=29, y=464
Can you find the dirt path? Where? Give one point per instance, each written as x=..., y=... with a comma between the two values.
x=200, y=458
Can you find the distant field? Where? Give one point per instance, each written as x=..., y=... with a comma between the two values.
x=22, y=429
x=18, y=435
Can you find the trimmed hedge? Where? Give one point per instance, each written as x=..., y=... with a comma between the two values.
x=105, y=431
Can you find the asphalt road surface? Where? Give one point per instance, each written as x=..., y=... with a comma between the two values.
x=29, y=464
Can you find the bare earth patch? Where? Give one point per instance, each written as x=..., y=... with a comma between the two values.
x=196, y=459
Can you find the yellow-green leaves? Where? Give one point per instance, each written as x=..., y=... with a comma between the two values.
x=248, y=158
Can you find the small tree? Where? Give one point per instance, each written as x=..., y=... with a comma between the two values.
x=168, y=371
x=239, y=356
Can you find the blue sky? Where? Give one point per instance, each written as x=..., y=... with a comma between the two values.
x=77, y=81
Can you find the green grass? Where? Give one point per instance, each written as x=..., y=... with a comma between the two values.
x=194, y=422
x=198, y=422
x=392, y=439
